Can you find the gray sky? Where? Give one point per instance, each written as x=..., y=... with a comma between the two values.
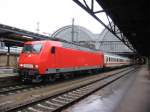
x=52, y=14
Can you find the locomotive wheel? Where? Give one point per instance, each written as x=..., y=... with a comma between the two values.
x=25, y=81
x=51, y=78
x=38, y=79
x=90, y=72
x=67, y=75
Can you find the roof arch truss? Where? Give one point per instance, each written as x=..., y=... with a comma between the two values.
x=91, y=6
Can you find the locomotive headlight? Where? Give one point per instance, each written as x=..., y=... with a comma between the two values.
x=21, y=65
x=36, y=66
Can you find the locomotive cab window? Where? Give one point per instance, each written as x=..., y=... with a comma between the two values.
x=32, y=48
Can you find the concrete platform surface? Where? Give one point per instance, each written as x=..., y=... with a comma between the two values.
x=137, y=98
x=7, y=71
x=130, y=94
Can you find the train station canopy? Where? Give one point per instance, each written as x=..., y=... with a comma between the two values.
x=132, y=17
x=104, y=41
x=12, y=36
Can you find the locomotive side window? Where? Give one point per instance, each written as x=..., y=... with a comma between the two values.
x=53, y=50
x=32, y=48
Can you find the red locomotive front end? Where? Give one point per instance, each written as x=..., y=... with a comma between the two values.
x=34, y=59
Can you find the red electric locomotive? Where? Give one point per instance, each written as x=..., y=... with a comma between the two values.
x=47, y=59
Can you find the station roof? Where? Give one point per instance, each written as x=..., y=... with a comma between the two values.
x=15, y=37
x=105, y=41
x=132, y=17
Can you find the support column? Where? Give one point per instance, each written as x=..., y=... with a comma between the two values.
x=148, y=64
x=8, y=56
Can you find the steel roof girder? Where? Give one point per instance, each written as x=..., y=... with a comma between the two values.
x=90, y=11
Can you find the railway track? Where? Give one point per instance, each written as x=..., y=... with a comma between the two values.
x=20, y=87
x=61, y=100
x=8, y=80
x=9, y=90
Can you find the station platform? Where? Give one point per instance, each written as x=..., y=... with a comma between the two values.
x=7, y=72
x=129, y=95
x=137, y=98
x=8, y=76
